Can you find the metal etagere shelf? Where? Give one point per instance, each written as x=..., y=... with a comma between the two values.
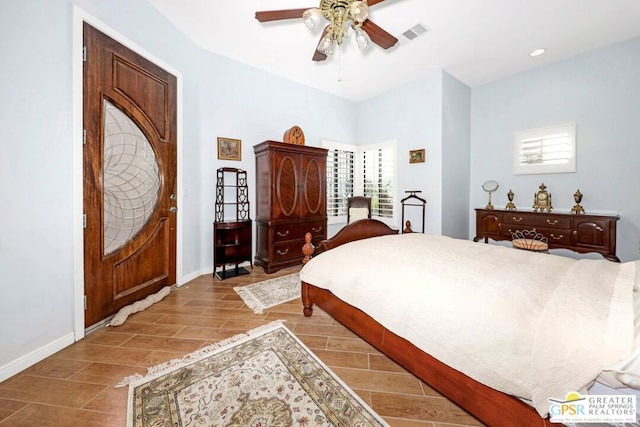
x=232, y=227
x=242, y=194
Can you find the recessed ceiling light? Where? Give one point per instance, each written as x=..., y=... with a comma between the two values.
x=537, y=52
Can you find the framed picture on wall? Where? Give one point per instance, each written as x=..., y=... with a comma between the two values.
x=416, y=156
x=229, y=149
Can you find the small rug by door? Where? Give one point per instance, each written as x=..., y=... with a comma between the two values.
x=265, y=377
x=268, y=293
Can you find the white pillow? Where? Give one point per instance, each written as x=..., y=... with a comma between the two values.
x=356, y=214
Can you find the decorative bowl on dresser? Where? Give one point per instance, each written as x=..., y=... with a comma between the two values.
x=579, y=233
x=291, y=200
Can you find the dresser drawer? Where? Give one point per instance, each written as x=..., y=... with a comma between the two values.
x=557, y=237
x=554, y=236
x=292, y=231
x=536, y=220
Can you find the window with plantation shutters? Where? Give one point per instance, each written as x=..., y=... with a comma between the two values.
x=367, y=170
x=340, y=180
x=545, y=150
x=378, y=170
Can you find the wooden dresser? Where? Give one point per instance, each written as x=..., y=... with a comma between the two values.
x=579, y=233
x=291, y=200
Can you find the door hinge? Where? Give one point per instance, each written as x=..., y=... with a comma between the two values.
x=84, y=54
x=84, y=220
x=85, y=302
x=84, y=136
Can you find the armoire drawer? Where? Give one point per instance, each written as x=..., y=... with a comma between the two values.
x=291, y=231
x=287, y=250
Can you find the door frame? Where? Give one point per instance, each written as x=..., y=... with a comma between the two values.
x=79, y=17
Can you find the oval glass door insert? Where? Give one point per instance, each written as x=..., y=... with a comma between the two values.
x=131, y=179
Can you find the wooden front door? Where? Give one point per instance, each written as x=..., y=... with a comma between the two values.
x=129, y=176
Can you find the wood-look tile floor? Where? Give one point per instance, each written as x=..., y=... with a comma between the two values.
x=76, y=386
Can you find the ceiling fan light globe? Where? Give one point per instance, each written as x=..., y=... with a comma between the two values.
x=311, y=17
x=326, y=45
x=362, y=38
x=359, y=11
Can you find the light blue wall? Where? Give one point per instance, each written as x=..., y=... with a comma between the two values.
x=600, y=92
x=430, y=113
x=456, y=134
x=36, y=236
x=412, y=114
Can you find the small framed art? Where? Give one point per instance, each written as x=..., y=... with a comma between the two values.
x=229, y=149
x=416, y=156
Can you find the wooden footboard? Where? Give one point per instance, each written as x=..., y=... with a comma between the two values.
x=487, y=404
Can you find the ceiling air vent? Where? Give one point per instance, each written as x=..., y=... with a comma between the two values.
x=415, y=31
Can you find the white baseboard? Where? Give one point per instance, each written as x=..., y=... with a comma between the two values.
x=207, y=270
x=193, y=275
x=30, y=359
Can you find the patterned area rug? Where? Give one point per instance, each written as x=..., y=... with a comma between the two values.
x=268, y=293
x=263, y=378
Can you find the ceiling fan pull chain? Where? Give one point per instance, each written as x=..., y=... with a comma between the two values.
x=339, y=63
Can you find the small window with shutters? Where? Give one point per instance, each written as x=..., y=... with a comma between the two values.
x=545, y=150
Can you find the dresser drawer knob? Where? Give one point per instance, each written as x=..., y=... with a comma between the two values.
x=556, y=238
x=286, y=233
x=517, y=219
x=316, y=229
x=554, y=222
x=286, y=251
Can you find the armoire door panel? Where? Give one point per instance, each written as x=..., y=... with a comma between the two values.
x=313, y=194
x=287, y=187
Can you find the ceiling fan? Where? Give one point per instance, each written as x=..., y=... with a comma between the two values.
x=342, y=15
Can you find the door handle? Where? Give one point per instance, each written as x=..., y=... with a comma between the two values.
x=173, y=209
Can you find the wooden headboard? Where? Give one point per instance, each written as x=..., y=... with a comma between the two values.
x=358, y=230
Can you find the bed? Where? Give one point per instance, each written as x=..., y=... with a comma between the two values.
x=498, y=331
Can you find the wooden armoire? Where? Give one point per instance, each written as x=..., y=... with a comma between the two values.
x=291, y=200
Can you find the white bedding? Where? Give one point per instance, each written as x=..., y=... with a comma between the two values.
x=531, y=325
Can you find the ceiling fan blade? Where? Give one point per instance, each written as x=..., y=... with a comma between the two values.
x=275, y=15
x=372, y=2
x=378, y=35
x=317, y=55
